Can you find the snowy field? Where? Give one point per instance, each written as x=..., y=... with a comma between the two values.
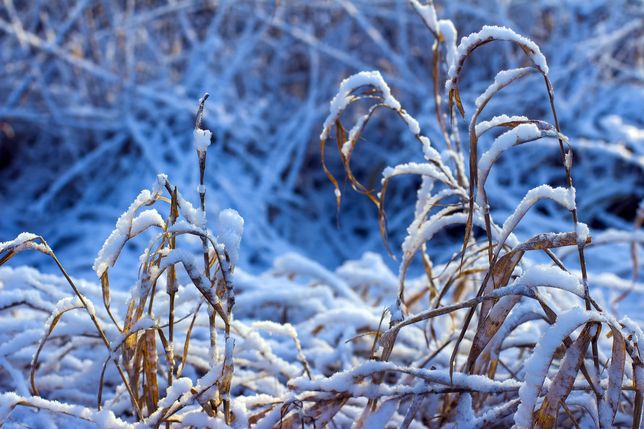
x=343, y=214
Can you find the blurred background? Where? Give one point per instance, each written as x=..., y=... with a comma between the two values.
x=97, y=97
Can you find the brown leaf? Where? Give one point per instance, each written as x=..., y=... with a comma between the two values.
x=562, y=383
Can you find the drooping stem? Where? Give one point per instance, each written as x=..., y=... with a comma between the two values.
x=212, y=322
x=437, y=96
x=580, y=247
x=171, y=289
x=101, y=333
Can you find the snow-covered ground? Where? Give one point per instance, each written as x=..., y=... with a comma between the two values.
x=377, y=281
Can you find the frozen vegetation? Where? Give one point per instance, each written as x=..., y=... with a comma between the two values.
x=367, y=221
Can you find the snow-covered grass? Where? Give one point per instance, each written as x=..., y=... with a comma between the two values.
x=97, y=99
x=508, y=330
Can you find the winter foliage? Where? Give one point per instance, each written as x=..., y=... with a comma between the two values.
x=503, y=290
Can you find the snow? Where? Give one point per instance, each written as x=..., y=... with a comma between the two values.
x=102, y=419
x=347, y=381
x=145, y=220
x=7, y=402
x=382, y=415
x=427, y=170
x=64, y=305
x=582, y=233
x=202, y=139
x=501, y=80
x=609, y=237
x=520, y=134
x=347, y=147
x=536, y=366
x=429, y=152
x=428, y=14
x=125, y=229
x=201, y=420
x=464, y=415
x=397, y=312
x=484, y=126
x=192, y=214
x=563, y=196
x=489, y=32
x=298, y=264
x=512, y=137
x=230, y=226
x=344, y=97
x=448, y=31
x=546, y=275
x=20, y=240
x=427, y=231
x=310, y=298
x=412, y=123
x=568, y=160
x=24, y=241
x=9, y=298
x=179, y=387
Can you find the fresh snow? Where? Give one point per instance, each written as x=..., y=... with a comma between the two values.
x=582, y=233
x=202, y=139
x=516, y=135
x=536, y=366
x=563, y=196
x=316, y=309
x=124, y=230
x=484, y=126
x=489, y=32
x=448, y=31
x=428, y=14
x=344, y=97
x=502, y=79
x=230, y=226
